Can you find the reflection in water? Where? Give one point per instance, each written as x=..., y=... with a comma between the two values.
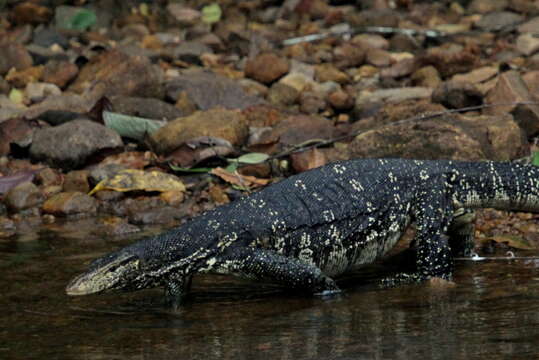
x=492, y=313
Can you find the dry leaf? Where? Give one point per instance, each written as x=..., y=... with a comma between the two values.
x=131, y=180
x=237, y=179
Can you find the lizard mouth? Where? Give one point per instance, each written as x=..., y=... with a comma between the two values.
x=103, y=277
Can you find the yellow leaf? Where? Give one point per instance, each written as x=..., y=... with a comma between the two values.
x=132, y=180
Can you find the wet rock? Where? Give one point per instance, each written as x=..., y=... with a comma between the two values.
x=115, y=226
x=282, y=95
x=70, y=203
x=77, y=181
x=145, y=107
x=37, y=92
x=221, y=123
x=307, y=160
x=115, y=73
x=48, y=177
x=498, y=20
x=23, y=196
x=13, y=56
x=328, y=72
x=207, y=90
x=456, y=95
x=70, y=144
x=59, y=73
x=527, y=44
x=163, y=215
x=7, y=227
x=266, y=68
x=511, y=88
x=46, y=37
x=427, y=76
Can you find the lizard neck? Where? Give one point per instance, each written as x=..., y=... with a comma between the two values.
x=503, y=186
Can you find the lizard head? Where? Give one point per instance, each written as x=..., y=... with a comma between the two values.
x=119, y=270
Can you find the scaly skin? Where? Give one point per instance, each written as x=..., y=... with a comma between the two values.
x=304, y=230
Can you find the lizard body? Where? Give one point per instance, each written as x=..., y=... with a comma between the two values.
x=305, y=230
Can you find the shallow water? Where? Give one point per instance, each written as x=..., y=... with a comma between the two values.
x=492, y=313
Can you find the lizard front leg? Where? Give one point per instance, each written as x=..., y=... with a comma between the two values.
x=177, y=285
x=462, y=232
x=268, y=265
x=433, y=214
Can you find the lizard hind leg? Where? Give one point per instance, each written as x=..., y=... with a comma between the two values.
x=461, y=232
x=268, y=265
x=177, y=286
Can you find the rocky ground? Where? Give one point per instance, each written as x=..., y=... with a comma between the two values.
x=150, y=112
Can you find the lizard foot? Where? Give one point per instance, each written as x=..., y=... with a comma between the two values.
x=407, y=279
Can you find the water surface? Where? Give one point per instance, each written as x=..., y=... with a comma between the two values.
x=492, y=312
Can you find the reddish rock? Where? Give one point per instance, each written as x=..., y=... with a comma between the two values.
x=23, y=196
x=266, y=68
x=29, y=12
x=20, y=78
x=307, y=160
x=450, y=59
x=115, y=73
x=59, y=73
x=283, y=95
x=510, y=88
x=70, y=203
x=341, y=100
x=328, y=72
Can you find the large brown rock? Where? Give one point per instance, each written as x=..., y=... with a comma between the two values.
x=70, y=203
x=509, y=90
x=69, y=145
x=23, y=196
x=115, y=73
x=221, y=123
x=448, y=137
x=266, y=68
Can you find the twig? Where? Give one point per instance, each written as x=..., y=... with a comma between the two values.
x=301, y=147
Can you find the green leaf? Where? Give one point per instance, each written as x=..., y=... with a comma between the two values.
x=253, y=158
x=131, y=126
x=211, y=13
x=232, y=167
x=82, y=20
x=535, y=158
x=190, y=170
x=16, y=96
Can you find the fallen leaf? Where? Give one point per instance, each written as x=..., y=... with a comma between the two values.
x=132, y=180
x=244, y=182
x=130, y=159
x=132, y=127
x=514, y=241
x=211, y=13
